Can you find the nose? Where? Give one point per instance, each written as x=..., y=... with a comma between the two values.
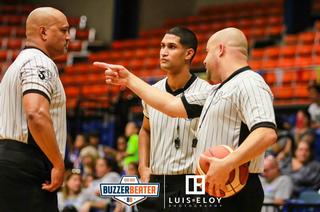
x=163, y=52
x=68, y=36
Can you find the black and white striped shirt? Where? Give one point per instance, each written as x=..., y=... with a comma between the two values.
x=165, y=158
x=32, y=72
x=231, y=111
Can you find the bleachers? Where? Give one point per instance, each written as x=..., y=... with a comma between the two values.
x=287, y=66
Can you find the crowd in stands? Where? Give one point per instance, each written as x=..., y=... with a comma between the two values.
x=292, y=165
x=89, y=163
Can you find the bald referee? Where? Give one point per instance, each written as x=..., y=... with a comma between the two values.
x=165, y=144
x=33, y=118
x=239, y=113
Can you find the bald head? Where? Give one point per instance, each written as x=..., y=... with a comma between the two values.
x=232, y=38
x=47, y=29
x=42, y=17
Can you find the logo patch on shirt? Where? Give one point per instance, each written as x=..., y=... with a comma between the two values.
x=44, y=74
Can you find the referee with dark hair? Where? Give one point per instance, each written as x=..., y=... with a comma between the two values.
x=238, y=112
x=165, y=143
x=33, y=118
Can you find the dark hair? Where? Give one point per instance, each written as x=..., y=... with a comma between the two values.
x=112, y=164
x=187, y=38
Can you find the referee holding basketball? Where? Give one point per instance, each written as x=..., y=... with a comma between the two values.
x=239, y=113
x=33, y=118
x=165, y=144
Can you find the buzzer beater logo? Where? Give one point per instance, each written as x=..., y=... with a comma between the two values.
x=129, y=191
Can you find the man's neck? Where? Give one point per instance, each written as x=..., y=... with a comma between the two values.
x=225, y=74
x=178, y=80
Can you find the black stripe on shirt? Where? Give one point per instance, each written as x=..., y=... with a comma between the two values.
x=193, y=110
x=38, y=92
x=264, y=124
x=181, y=90
x=244, y=133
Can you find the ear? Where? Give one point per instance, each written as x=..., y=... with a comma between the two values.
x=189, y=53
x=43, y=33
x=221, y=50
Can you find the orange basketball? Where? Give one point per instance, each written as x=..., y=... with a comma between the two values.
x=237, y=177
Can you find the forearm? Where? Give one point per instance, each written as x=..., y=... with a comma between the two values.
x=144, y=148
x=41, y=129
x=254, y=145
x=156, y=98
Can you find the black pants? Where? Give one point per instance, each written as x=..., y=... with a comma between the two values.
x=249, y=199
x=22, y=171
x=174, y=187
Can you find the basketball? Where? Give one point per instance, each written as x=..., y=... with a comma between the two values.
x=237, y=177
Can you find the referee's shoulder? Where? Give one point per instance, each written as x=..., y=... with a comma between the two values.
x=160, y=83
x=250, y=78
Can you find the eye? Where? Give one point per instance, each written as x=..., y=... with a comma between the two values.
x=172, y=46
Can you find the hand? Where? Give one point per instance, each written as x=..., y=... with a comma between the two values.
x=145, y=173
x=217, y=176
x=120, y=156
x=115, y=74
x=56, y=179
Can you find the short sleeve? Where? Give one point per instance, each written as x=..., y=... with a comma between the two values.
x=255, y=101
x=194, y=102
x=145, y=109
x=38, y=76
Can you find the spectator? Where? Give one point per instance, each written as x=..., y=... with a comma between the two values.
x=283, y=147
x=74, y=154
x=68, y=197
x=277, y=188
x=303, y=128
x=303, y=171
x=94, y=140
x=118, y=153
x=88, y=156
x=132, y=154
x=107, y=171
x=132, y=169
x=314, y=108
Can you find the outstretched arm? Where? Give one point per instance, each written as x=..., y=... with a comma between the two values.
x=162, y=101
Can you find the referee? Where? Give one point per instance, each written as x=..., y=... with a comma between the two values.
x=33, y=118
x=165, y=143
x=238, y=113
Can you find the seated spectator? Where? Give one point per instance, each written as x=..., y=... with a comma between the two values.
x=277, y=188
x=94, y=140
x=118, y=153
x=132, y=169
x=132, y=154
x=303, y=128
x=87, y=180
x=88, y=157
x=314, y=107
x=106, y=172
x=68, y=197
x=303, y=171
x=74, y=153
x=283, y=147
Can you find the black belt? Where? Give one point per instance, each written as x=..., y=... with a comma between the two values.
x=10, y=144
x=169, y=178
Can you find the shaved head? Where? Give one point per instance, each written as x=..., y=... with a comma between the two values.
x=47, y=29
x=232, y=38
x=42, y=17
x=227, y=51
